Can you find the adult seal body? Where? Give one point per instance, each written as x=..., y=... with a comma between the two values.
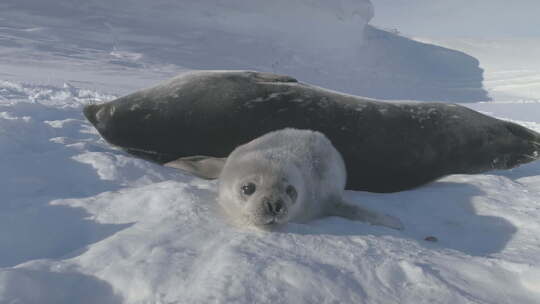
x=386, y=146
x=289, y=175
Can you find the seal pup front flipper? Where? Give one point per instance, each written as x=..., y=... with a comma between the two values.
x=359, y=213
x=206, y=167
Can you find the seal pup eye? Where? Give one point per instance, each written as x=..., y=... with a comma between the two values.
x=248, y=189
x=291, y=192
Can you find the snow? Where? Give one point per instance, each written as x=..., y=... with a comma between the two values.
x=99, y=42
x=504, y=38
x=479, y=19
x=511, y=65
x=83, y=222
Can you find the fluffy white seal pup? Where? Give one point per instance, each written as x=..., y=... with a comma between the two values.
x=289, y=175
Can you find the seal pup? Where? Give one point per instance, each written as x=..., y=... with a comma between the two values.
x=289, y=175
x=386, y=146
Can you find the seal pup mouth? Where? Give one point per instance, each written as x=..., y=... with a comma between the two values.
x=271, y=222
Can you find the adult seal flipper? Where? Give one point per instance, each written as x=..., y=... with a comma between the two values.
x=387, y=146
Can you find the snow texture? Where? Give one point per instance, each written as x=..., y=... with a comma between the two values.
x=325, y=43
x=511, y=65
x=478, y=19
x=83, y=222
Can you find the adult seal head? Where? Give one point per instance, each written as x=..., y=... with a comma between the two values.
x=289, y=175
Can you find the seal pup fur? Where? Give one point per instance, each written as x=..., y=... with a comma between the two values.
x=289, y=175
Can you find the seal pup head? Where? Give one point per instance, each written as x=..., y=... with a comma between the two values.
x=255, y=190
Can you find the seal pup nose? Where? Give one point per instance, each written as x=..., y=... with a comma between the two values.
x=278, y=206
x=274, y=207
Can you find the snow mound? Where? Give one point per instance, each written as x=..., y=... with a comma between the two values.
x=512, y=68
x=325, y=43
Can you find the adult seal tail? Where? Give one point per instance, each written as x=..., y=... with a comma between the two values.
x=387, y=146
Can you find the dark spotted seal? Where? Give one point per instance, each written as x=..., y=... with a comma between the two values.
x=387, y=146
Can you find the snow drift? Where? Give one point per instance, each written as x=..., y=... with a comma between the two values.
x=324, y=43
x=509, y=72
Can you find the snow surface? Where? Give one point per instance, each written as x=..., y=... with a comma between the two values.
x=511, y=65
x=313, y=40
x=83, y=222
x=504, y=38
x=480, y=19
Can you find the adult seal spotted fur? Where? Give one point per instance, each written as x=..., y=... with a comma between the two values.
x=386, y=146
x=289, y=175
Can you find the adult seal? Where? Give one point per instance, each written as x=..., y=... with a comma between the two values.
x=289, y=175
x=387, y=146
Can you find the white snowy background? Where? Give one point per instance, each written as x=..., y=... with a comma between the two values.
x=83, y=222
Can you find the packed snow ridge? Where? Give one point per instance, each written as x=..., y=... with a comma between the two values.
x=330, y=44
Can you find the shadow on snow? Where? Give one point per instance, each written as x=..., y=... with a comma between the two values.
x=442, y=209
